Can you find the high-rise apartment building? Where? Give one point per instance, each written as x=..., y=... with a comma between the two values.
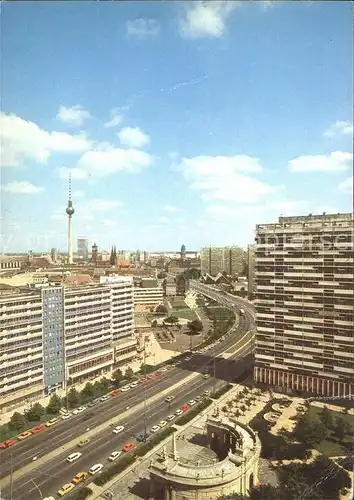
x=305, y=304
x=251, y=269
x=214, y=260
x=82, y=248
x=62, y=335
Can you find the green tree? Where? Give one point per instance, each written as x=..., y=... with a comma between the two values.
x=54, y=405
x=104, y=382
x=17, y=422
x=172, y=319
x=161, y=309
x=98, y=388
x=73, y=398
x=87, y=393
x=195, y=327
x=129, y=374
x=35, y=413
x=266, y=492
x=339, y=429
x=326, y=417
x=309, y=430
x=117, y=377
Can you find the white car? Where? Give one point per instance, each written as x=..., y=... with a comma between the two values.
x=178, y=412
x=169, y=399
x=155, y=429
x=163, y=370
x=118, y=429
x=125, y=388
x=66, y=415
x=170, y=417
x=95, y=468
x=73, y=457
x=192, y=402
x=134, y=384
x=114, y=455
x=162, y=423
x=78, y=410
x=104, y=398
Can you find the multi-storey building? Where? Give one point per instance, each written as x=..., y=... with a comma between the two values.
x=216, y=260
x=82, y=248
x=305, y=304
x=251, y=270
x=148, y=296
x=58, y=336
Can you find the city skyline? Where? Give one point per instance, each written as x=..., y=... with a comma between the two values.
x=153, y=159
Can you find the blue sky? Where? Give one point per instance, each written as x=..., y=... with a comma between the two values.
x=180, y=122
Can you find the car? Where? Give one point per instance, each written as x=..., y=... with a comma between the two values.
x=151, y=376
x=118, y=429
x=170, y=417
x=206, y=393
x=73, y=457
x=64, y=490
x=24, y=435
x=83, y=442
x=51, y=422
x=78, y=410
x=169, y=399
x=142, y=437
x=63, y=411
x=178, y=412
x=94, y=402
x=206, y=375
x=192, y=402
x=95, y=469
x=199, y=398
x=127, y=447
x=65, y=416
x=143, y=381
x=116, y=392
x=164, y=369
x=185, y=407
x=38, y=428
x=105, y=397
x=162, y=423
x=125, y=388
x=8, y=443
x=80, y=477
x=114, y=455
x=155, y=429
x=188, y=358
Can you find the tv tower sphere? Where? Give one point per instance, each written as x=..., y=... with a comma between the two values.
x=70, y=209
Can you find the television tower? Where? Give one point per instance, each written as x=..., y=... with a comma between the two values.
x=70, y=211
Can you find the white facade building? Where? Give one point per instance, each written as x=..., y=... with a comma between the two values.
x=148, y=296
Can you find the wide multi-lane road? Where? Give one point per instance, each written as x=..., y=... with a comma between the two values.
x=52, y=473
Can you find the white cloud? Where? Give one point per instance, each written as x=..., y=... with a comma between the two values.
x=171, y=208
x=75, y=116
x=340, y=128
x=133, y=137
x=163, y=220
x=109, y=222
x=116, y=118
x=223, y=178
x=21, y=140
x=98, y=205
x=76, y=173
x=22, y=187
x=87, y=210
x=143, y=28
x=205, y=18
x=347, y=185
x=102, y=163
x=333, y=162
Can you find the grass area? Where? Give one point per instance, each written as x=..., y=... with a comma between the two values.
x=315, y=411
x=186, y=314
x=330, y=449
x=178, y=304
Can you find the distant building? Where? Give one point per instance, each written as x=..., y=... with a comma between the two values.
x=147, y=293
x=229, y=260
x=170, y=287
x=94, y=253
x=182, y=285
x=54, y=255
x=8, y=262
x=82, y=248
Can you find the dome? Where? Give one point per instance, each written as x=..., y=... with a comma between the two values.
x=70, y=209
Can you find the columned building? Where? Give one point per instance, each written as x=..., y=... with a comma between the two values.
x=305, y=304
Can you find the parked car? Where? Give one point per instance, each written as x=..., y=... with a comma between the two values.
x=127, y=447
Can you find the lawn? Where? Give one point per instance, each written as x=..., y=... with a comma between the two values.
x=178, y=304
x=331, y=447
x=315, y=410
x=185, y=313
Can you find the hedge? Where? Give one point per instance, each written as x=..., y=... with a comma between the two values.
x=81, y=493
x=114, y=469
x=224, y=389
x=193, y=412
x=153, y=441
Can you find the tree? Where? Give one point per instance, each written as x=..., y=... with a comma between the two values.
x=35, y=413
x=161, y=309
x=17, y=422
x=326, y=417
x=54, y=405
x=73, y=398
x=154, y=323
x=129, y=374
x=310, y=431
x=172, y=319
x=195, y=326
x=117, y=377
x=87, y=393
x=339, y=429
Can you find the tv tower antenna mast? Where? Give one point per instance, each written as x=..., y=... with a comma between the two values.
x=70, y=211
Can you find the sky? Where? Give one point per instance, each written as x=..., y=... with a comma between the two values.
x=180, y=122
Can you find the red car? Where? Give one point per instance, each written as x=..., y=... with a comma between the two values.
x=116, y=392
x=151, y=376
x=143, y=381
x=128, y=447
x=38, y=428
x=7, y=444
x=185, y=407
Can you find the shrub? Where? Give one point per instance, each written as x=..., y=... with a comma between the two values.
x=143, y=449
x=81, y=493
x=221, y=392
x=114, y=469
